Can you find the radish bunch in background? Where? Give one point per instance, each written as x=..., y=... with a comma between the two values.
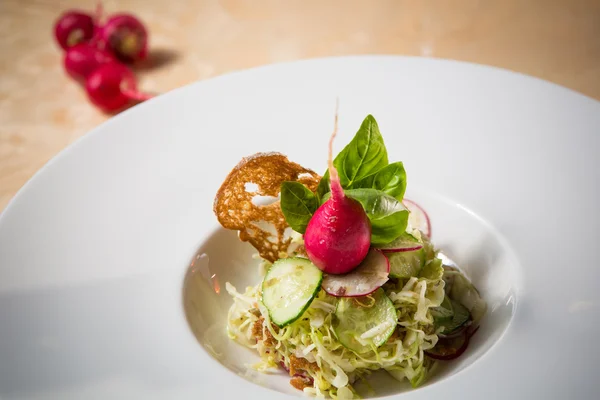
x=96, y=53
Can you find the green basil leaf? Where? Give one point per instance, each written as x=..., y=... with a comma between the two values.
x=387, y=215
x=388, y=228
x=298, y=205
x=363, y=156
x=391, y=180
x=323, y=187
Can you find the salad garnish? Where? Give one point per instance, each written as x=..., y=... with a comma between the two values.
x=350, y=280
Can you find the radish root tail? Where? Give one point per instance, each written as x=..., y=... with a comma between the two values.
x=134, y=95
x=336, y=188
x=99, y=13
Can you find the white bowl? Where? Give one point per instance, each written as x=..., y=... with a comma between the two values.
x=95, y=250
x=474, y=245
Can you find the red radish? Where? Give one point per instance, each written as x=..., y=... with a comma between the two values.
x=112, y=87
x=338, y=235
x=74, y=27
x=125, y=36
x=370, y=275
x=418, y=218
x=83, y=59
x=403, y=243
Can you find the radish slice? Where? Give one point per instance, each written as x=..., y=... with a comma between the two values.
x=451, y=348
x=370, y=275
x=418, y=218
x=405, y=242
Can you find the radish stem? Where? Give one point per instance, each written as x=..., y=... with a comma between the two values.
x=337, y=193
x=136, y=95
x=338, y=236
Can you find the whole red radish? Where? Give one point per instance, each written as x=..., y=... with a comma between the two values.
x=112, y=87
x=125, y=36
x=83, y=59
x=338, y=236
x=73, y=27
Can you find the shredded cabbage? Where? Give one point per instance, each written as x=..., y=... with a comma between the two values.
x=312, y=337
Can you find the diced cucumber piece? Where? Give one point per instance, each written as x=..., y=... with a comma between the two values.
x=433, y=270
x=405, y=242
x=466, y=294
x=428, y=247
x=459, y=316
x=289, y=287
x=443, y=313
x=405, y=264
x=415, y=234
x=363, y=322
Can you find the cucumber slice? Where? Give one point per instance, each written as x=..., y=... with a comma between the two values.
x=405, y=242
x=364, y=321
x=289, y=287
x=405, y=264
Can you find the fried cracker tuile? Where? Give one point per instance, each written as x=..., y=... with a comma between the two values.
x=263, y=226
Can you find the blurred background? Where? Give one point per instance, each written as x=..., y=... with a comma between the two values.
x=42, y=109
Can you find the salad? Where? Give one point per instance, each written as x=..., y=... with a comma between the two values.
x=349, y=281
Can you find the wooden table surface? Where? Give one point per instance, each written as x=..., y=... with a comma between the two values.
x=42, y=111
